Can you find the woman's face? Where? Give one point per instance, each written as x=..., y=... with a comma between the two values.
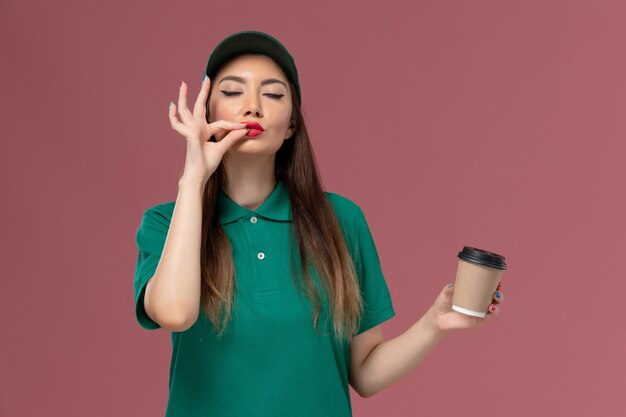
x=253, y=88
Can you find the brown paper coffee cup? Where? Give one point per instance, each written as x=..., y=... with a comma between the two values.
x=477, y=277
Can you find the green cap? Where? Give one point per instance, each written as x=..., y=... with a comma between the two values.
x=253, y=41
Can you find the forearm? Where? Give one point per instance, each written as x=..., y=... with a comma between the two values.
x=173, y=294
x=395, y=358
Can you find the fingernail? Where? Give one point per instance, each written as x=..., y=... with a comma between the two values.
x=492, y=308
x=450, y=285
x=171, y=103
x=181, y=84
x=203, y=77
x=499, y=285
x=497, y=294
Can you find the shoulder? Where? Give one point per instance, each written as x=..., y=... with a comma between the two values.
x=157, y=216
x=163, y=209
x=343, y=204
x=349, y=214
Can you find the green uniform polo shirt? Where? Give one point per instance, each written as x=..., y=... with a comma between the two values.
x=270, y=362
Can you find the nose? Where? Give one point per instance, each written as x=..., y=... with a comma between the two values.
x=253, y=106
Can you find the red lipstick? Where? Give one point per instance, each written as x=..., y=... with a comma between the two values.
x=254, y=128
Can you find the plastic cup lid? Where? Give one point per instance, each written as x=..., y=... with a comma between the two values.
x=482, y=257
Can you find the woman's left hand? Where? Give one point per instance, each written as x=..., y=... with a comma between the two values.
x=444, y=318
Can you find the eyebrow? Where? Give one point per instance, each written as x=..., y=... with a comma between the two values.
x=241, y=80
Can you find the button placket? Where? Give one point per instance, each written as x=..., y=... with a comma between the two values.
x=259, y=239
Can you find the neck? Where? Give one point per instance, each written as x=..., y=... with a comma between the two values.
x=250, y=180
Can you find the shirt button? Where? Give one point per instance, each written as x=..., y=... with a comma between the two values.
x=253, y=219
x=260, y=255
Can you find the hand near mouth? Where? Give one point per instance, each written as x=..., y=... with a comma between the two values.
x=203, y=156
x=254, y=128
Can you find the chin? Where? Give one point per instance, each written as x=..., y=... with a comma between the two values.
x=252, y=146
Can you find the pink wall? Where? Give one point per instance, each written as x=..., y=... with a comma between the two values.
x=498, y=124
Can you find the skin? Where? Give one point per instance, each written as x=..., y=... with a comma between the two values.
x=377, y=363
x=249, y=163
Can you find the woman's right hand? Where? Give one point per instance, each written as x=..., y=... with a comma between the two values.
x=203, y=157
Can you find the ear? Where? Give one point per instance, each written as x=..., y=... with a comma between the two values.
x=290, y=131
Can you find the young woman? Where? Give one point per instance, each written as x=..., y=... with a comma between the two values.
x=271, y=287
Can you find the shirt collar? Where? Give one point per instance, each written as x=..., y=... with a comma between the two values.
x=276, y=207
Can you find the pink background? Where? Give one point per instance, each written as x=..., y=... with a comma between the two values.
x=497, y=124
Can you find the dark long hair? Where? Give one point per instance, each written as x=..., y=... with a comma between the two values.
x=316, y=232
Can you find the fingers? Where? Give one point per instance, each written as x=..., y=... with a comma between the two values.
x=183, y=110
x=199, y=108
x=190, y=122
x=221, y=125
x=176, y=125
x=230, y=139
x=493, y=310
x=498, y=297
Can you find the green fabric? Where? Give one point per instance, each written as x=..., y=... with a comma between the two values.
x=270, y=362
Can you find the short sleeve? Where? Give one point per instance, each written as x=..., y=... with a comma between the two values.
x=377, y=300
x=150, y=240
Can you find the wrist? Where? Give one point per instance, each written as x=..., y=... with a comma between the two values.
x=430, y=322
x=187, y=182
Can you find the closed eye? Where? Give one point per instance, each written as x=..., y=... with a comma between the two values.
x=234, y=93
